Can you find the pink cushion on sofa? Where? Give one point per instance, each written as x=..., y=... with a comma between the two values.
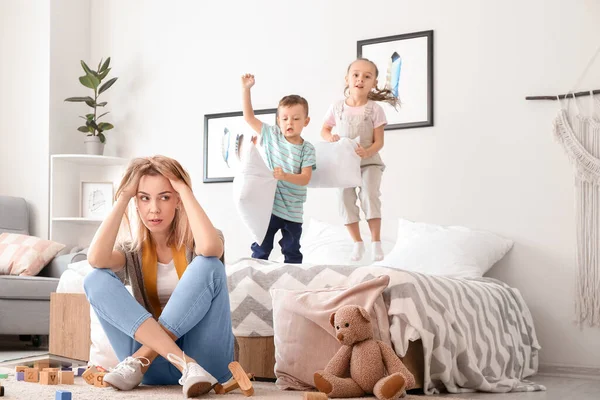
x=305, y=340
x=25, y=255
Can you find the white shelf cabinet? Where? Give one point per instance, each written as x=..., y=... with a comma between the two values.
x=67, y=171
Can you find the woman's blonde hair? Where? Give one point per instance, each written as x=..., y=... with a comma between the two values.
x=376, y=94
x=181, y=233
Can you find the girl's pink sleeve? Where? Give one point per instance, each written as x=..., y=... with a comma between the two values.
x=379, y=118
x=329, y=117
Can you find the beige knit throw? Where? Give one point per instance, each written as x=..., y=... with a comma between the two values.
x=580, y=138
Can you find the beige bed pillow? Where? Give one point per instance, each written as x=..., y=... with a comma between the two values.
x=304, y=338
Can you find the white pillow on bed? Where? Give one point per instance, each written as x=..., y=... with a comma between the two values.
x=452, y=251
x=338, y=165
x=330, y=244
x=254, y=192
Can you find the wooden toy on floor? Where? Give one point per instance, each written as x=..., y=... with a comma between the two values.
x=40, y=365
x=21, y=368
x=99, y=379
x=229, y=386
x=89, y=373
x=20, y=376
x=66, y=377
x=241, y=378
x=48, y=378
x=63, y=395
x=314, y=396
x=32, y=375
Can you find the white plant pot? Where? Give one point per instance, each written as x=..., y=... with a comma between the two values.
x=93, y=145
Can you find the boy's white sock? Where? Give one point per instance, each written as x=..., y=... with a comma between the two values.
x=357, y=251
x=377, y=251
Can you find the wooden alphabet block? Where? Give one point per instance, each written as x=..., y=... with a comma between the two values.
x=40, y=365
x=99, y=379
x=21, y=368
x=32, y=375
x=20, y=376
x=48, y=378
x=51, y=369
x=66, y=377
x=89, y=373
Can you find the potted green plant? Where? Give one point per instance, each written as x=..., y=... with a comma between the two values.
x=95, y=140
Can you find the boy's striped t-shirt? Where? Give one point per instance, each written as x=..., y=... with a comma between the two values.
x=292, y=158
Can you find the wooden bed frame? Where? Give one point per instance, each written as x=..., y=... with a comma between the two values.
x=257, y=355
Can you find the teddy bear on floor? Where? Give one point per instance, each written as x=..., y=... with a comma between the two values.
x=359, y=367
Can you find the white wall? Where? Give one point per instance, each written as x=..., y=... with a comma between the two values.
x=24, y=94
x=70, y=36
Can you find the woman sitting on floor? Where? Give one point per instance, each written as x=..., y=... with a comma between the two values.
x=177, y=325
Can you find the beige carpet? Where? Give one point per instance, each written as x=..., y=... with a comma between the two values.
x=83, y=391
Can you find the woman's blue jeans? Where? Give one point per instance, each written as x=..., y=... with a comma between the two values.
x=198, y=314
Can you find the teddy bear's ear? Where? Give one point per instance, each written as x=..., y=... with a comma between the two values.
x=332, y=319
x=364, y=314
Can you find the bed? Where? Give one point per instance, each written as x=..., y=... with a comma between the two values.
x=458, y=335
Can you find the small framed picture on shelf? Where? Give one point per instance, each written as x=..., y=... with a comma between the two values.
x=96, y=199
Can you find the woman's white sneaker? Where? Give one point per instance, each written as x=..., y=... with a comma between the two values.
x=194, y=379
x=127, y=374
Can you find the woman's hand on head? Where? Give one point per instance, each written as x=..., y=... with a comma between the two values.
x=178, y=185
x=131, y=189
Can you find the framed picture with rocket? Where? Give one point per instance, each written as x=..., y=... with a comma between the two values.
x=405, y=65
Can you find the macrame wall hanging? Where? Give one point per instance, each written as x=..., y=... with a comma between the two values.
x=578, y=131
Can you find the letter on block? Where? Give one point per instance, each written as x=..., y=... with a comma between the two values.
x=32, y=375
x=88, y=375
x=48, y=378
x=99, y=379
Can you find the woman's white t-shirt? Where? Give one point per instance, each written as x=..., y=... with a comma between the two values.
x=166, y=280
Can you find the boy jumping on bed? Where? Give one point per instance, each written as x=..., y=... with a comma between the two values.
x=292, y=160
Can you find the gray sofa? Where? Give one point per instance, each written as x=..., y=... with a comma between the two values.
x=25, y=300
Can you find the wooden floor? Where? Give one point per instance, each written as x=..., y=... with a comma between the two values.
x=558, y=389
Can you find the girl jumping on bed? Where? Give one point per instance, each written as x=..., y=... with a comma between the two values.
x=359, y=116
x=177, y=325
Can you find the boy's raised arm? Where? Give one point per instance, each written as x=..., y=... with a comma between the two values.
x=247, y=83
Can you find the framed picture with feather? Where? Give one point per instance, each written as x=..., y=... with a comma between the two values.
x=405, y=66
x=224, y=134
